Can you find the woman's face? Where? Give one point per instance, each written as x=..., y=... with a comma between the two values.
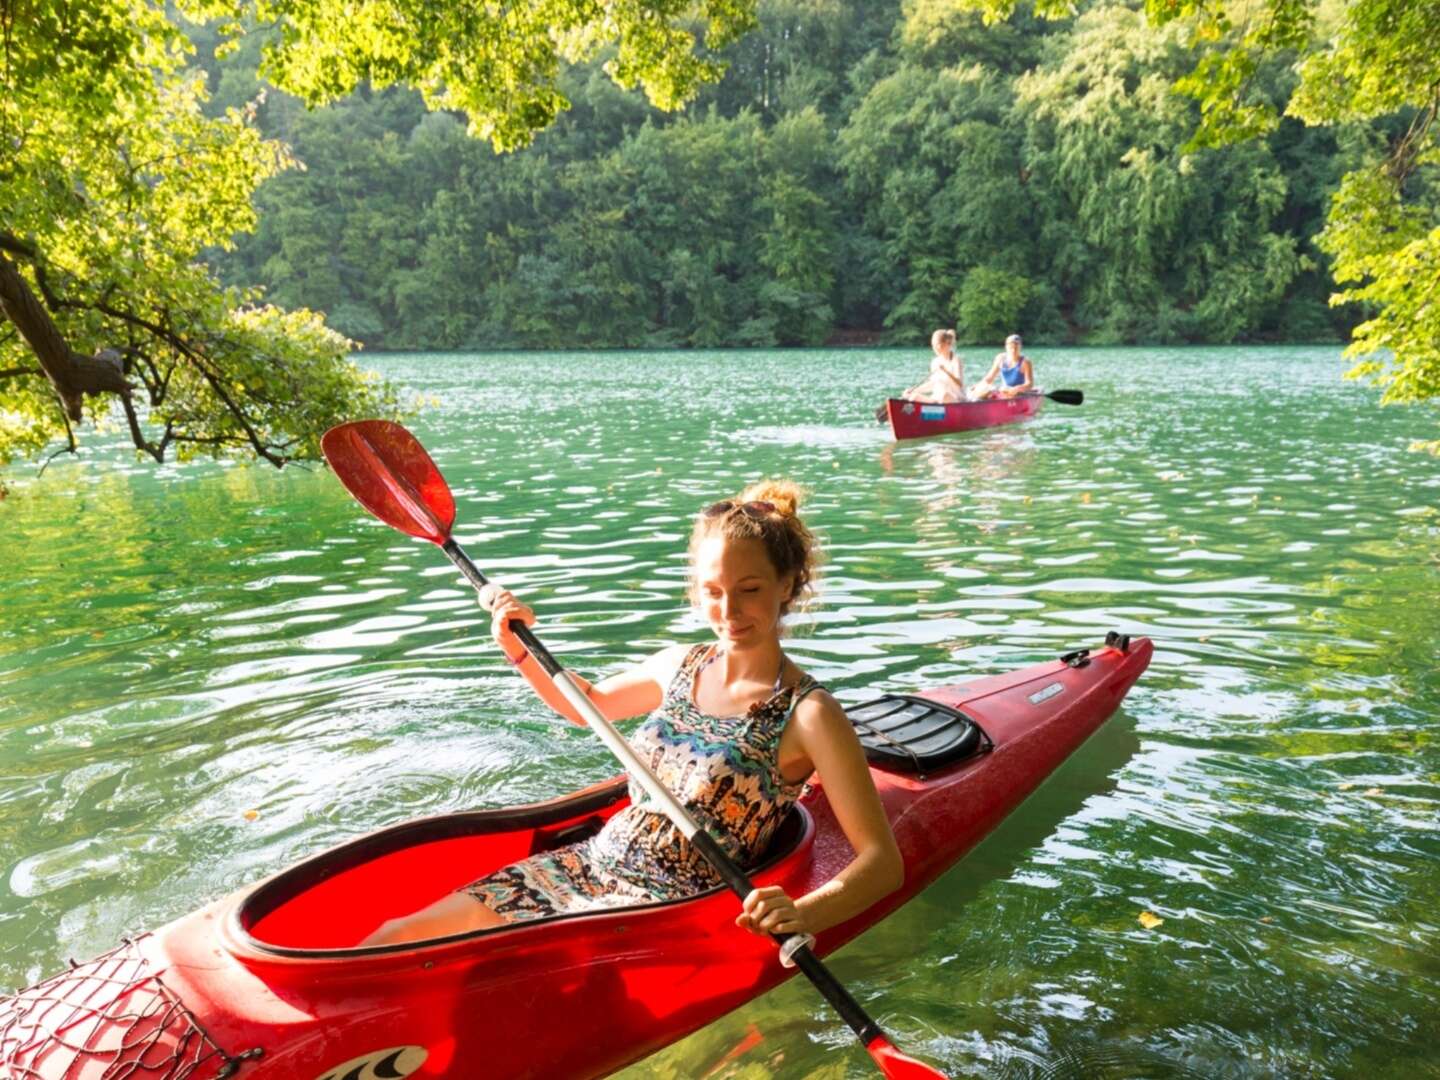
x=1013, y=348
x=737, y=588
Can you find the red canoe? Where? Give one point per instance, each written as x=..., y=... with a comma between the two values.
x=268, y=983
x=917, y=419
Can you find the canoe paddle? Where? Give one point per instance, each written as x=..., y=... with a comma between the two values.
x=391, y=475
x=1064, y=397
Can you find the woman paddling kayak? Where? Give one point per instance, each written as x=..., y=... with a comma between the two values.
x=736, y=728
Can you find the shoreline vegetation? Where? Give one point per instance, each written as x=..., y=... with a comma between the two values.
x=205, y=219
x=857, y=176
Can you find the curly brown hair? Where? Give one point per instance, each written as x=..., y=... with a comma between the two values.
x=789, y=544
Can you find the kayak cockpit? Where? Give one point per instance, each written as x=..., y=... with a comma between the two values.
x=332, y=901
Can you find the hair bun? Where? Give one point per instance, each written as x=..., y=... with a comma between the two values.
x=785, y=495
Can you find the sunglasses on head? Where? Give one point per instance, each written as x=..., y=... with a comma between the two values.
x=757, y=508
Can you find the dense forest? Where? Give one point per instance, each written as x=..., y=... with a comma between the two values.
x=863, y=171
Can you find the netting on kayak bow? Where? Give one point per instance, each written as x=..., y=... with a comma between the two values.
x=108, y=1019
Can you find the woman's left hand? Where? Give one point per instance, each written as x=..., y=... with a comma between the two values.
x=770, y=911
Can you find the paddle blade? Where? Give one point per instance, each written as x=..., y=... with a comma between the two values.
x=391, y=475
x=898, y=1066
x=882, y=412
x=1067, y=397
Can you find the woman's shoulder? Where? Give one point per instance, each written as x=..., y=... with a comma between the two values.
x=664, y=665
x=817, y=709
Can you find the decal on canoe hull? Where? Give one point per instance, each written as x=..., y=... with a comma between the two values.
x=391, y=1063
x=1041, y=696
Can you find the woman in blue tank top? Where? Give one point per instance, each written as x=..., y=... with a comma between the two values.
x=1009, y=375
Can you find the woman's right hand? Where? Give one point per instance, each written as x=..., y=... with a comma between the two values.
x=504, y=608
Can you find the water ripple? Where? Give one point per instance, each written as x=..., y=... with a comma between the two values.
x=208, y=671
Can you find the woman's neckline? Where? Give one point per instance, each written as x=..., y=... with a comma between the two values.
x=714, y=654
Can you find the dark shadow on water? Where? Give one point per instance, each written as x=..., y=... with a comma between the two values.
x=1092, y=770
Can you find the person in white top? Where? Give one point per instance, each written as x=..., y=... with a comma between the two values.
x=946, y=381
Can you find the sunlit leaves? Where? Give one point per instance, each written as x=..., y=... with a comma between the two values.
x=115, y=182
x=1363, y=61
x=498, y=63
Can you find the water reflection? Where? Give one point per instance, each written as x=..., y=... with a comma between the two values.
x=184, y=647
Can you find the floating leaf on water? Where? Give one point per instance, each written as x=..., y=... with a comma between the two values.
x=250, y=815
x=1085, y=496
x=1149, y=920
x=1374, y=791
x=1346, y=787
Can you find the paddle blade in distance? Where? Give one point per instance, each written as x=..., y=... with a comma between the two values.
x=897, y=1066
x=1067, y=397
x=882, y=412
x=391, y=475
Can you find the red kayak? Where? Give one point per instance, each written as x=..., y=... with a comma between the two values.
x=269, y=983
x=918, y=419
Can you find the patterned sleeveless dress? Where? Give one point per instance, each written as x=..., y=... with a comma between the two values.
x=724, y=769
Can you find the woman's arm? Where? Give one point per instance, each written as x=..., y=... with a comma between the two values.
x=618, y=697
x=950, y=382
x=829, y=742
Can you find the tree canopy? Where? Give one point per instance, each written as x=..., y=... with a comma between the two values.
x=119, y=185
x=1369, y=62
x=177, y=210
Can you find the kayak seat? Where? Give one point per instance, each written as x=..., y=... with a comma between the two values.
x=554, y=837
x=907, y=734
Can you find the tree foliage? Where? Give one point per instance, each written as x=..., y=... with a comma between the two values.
x=122, y=181
x=1373, y=63
x=883, y=168
x=856, y=165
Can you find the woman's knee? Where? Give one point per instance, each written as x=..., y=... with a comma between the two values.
x=457, y=913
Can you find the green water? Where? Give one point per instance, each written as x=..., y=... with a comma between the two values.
x=181, y=646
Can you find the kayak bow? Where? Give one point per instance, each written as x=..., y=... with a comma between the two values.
x=269, y=984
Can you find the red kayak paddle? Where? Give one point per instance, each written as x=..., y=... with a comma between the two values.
x=392, y=476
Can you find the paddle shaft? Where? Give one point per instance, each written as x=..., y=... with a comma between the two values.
x=739, y=882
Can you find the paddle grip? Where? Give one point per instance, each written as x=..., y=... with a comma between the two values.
x=804, y=957
x=472, y=573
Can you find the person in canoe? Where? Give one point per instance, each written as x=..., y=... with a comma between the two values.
x=1009, y=374
x=735, y=728
x=946, y=381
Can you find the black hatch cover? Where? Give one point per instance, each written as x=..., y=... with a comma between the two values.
x=914, y=734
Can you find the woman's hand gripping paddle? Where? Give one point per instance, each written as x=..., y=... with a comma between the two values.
x=392, y=476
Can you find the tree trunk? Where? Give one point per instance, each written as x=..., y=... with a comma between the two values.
x=72, y=374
